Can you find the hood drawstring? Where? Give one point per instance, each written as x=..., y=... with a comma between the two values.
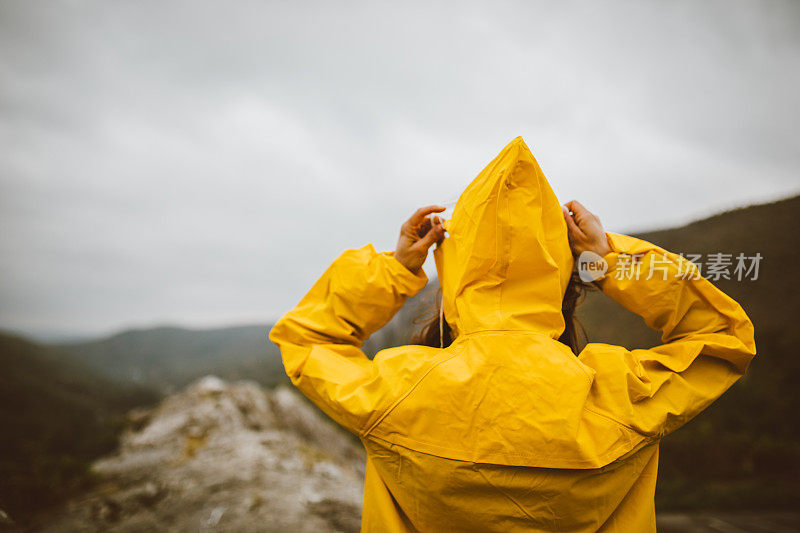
x=441, y=321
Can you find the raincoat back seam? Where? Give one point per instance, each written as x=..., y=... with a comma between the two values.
x=407, y=442
x=577, y=363
x=503, y=246
x=613, y=419
x=404, y=395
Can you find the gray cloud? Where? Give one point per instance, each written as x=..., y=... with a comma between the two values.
x=203, y=162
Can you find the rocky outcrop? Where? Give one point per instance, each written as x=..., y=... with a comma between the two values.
x=222, y=456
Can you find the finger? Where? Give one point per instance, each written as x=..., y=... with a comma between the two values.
x=573, y=228
x=442, y=234
x=424, y=226
x=433, y=236
x=576, y=207
x=581, y=215
x=436, y=221
x=579, y=211
x=423, y=212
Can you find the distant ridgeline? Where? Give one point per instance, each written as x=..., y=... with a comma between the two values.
x=169, y=358
x=61, y=404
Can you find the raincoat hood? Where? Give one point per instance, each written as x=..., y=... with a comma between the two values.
x=506, y=262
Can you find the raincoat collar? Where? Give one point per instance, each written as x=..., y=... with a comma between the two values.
x=506, y=262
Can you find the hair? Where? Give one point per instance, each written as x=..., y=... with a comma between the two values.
x=428, y=334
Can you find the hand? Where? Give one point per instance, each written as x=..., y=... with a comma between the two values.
x=585, y=230
x=417, y=235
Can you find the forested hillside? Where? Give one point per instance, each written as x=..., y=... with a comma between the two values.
x=56, y=417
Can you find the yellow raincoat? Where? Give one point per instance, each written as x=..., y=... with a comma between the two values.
x=506, y=429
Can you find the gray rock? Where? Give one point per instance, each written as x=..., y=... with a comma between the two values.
x=225, y=456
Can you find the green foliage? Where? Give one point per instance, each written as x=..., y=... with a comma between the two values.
x=57, y=417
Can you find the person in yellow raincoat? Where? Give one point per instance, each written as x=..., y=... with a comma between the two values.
x=504, y=428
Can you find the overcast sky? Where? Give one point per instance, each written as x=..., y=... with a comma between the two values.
x=201, y=163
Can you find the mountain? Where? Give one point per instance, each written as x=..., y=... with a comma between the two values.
x=56, y=417
x=169, y=358
x=228, y=457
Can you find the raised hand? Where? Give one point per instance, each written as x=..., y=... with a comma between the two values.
x=585, y=230
x=417, y=235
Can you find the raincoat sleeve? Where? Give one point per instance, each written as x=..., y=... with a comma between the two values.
x=320, y=338
x=708, y=340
